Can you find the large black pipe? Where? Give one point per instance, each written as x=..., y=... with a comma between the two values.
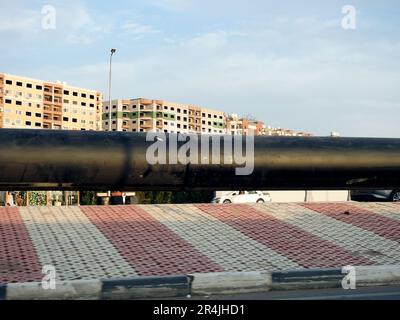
x=81, y=160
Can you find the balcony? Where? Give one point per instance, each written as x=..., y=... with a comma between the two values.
x=146, y=125
x=58, y=92
x=146, y=102
x=57, y=102
x=57, y=110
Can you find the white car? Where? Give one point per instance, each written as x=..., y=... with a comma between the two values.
x=243, y=197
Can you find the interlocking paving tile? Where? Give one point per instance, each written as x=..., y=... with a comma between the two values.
x=361, y=243
x=18, y=259
x=298, y=245
x=146, y=243
x=65, y=238
x=387, y=209
x=223, y=244
x=360, y=217
x=126, y=241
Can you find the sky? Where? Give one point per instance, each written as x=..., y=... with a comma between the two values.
x=288, y=63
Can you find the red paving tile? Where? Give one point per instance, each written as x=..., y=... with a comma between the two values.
x=296, y=244
x=18, y=258
x=149, y=246
x=357, y=216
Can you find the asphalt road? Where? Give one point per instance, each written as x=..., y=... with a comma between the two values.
x=366, y=293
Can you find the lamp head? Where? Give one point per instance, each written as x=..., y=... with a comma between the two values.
x=113, y=51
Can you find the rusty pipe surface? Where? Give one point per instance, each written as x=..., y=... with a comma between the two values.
x=83, y=160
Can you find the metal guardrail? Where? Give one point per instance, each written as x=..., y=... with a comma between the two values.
x=81, y=160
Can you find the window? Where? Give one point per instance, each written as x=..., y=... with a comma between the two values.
x=91, y=96
x=92, y=105
x=83, y=104
x=37, y=124
x=65, y=119
x=28, y=123
x=28, y=113
x=83, y=95
x=39, y=88
x=18, y=103
x=66, y=92
x=8, y=101
x=8, y=82
x=75, y=94
x=29, y=85
x=38, y=115
x=74, y=120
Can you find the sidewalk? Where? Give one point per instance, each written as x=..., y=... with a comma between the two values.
x=128, y=241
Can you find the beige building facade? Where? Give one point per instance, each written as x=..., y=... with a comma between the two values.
x=35, y=104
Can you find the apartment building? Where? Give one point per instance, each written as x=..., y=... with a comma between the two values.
x=144, y=115
x=244, y=126
x=270, y=131
x=35, y=104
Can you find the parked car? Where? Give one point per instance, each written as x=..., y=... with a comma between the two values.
x=243, y=197
x=375, y=195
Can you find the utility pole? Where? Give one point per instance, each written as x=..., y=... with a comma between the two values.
x=109, y=93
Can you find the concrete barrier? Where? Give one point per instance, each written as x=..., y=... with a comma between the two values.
x=230, y=282
x=146, y=287
x=200, y=284
x=67, y=290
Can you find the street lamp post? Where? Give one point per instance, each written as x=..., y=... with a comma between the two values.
x=109, y=93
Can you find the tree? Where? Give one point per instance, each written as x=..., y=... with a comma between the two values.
x=88, y=198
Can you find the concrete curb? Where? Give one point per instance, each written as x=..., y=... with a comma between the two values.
x=200, y=284
x=230, y=282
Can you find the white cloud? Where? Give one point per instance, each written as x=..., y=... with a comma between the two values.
x=74, y=24
x=138, y=29
x=172, y=5
x=305, y=73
